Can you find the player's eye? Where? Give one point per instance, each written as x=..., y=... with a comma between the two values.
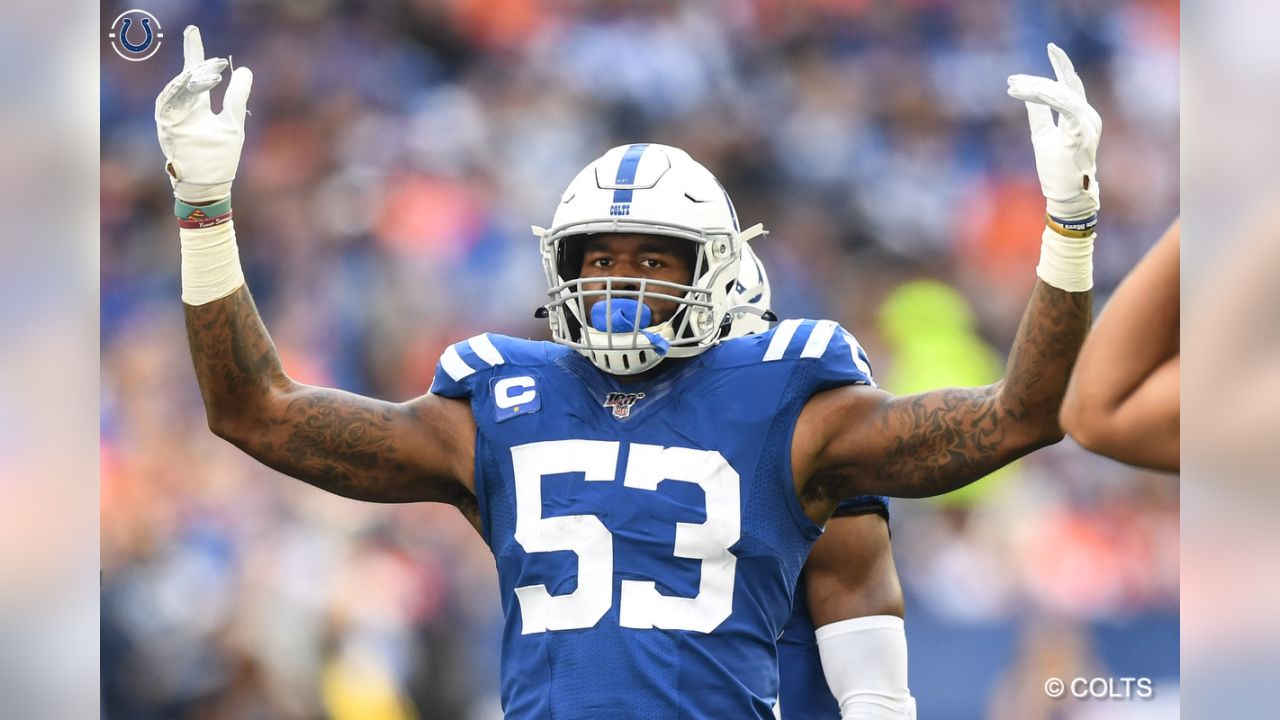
x=651, y=263
x=602, y=262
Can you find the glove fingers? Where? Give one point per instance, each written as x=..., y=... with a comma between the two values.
x=1067, y=123
x=205, y=77
x=236, y=100
x=1041, y=118
x=165, y=101
x=189, y=90
x=1076, y=117
x=1046, y=92
x=1064, y=69
x=178, y=101
x=192, y=47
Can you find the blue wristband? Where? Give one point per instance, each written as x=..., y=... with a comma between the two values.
x=1072, y=228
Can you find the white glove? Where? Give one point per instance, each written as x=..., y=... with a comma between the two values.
x=202, y=149
x=1066, y=153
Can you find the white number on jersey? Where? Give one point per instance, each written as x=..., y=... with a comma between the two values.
x=642, y=606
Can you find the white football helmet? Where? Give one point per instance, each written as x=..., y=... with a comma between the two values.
x=656, y=190
x=749, y=301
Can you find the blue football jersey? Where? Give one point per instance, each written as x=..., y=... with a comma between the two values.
x=647, y=535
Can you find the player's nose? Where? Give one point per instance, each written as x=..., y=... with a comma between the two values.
x=624, y=282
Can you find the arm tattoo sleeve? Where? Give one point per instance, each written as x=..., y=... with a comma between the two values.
x=346, y=444
x=939, y=441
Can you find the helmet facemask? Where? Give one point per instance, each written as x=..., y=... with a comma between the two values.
x=609, y=319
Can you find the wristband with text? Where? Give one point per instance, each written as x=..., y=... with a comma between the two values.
x=194, y=217
x=1072, y=228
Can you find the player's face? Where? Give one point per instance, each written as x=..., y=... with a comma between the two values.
x=651, y=257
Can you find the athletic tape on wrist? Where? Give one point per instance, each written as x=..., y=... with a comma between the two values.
x=1066, y=262
x=210, y=263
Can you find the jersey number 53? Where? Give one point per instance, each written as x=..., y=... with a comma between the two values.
x=641, y=605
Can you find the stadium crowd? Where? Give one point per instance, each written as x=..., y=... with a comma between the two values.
x=396, y=155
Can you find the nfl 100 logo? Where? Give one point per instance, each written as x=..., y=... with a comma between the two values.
x=621, y=402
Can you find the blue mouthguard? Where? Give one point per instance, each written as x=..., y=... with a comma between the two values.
x=626, y=315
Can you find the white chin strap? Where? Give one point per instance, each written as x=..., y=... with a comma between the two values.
x=750, y=233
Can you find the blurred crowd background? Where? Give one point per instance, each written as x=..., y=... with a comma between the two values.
x=397, y=154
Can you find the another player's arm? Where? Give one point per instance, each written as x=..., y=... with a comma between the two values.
x=858, y=440
x=350, y=445
x=850, y=571
x=856, y=603
x=1122, y=401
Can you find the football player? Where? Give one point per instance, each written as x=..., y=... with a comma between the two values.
x=648, y=491
x=845, y=635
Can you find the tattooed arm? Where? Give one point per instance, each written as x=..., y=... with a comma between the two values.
x=858, y=440
x=353, y=446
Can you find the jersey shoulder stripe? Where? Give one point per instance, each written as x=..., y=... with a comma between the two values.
x=454, y=366
x=463, y=362
x=819, y=339
x=462, y=359
x=781, y=340
x=834, y=350
x=485, y=349
x=803, y=339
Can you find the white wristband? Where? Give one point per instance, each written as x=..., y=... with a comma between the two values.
x=1065, y=262
x=210, y=263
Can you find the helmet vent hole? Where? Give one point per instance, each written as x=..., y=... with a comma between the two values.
x=643, y=357
x=626, y=364
x=606, y=362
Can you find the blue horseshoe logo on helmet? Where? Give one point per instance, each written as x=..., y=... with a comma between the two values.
x=124, y=35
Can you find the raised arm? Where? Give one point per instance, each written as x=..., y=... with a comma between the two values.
x=353, y=446
x=857, y=440
x=1123, y=398
x=860, y=441
x=350, y=445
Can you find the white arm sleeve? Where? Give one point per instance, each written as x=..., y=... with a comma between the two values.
x=865, y=661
